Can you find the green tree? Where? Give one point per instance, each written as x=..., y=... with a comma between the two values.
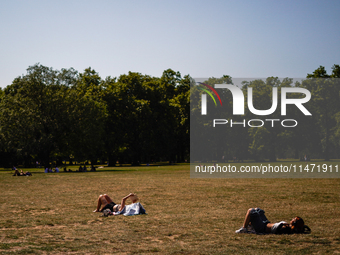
x=262, y=98
x=326, y=105
x=30, y=122
x=319, y=73
x=181, y=106
x=128, y=123
x=335, y=71
x=88, y=118
x=147, y=117
x=42, y=115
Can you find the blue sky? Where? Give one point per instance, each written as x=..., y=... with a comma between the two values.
x=200, y=38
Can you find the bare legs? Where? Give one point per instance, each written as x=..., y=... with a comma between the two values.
x=247, y=218
x=102, y=201
x=16, y=172
x=245, y=223
x=21, y=173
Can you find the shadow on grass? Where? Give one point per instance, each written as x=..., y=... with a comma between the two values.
x=120, y=168
x=74, y=172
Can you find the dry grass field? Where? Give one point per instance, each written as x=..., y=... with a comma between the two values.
x=52, y=213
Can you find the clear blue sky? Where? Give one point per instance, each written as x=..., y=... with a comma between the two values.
x=202, y=38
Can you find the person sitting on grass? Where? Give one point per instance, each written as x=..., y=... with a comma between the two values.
x=256, y=219
x=108, y=207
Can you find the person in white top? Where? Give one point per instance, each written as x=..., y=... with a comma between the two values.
x=105, y=202
x=258, y=221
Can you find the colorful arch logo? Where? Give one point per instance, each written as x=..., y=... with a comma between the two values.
x=204, y=97
x=209, y=93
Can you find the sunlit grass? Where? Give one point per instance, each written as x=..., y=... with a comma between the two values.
x=52, y=213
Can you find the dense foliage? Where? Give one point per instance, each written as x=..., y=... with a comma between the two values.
x=315, y=136
x=50, y=116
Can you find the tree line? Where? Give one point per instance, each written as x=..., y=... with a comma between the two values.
x=52, y=115
x=316, y=136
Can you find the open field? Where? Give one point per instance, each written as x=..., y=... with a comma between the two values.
x=52, y=213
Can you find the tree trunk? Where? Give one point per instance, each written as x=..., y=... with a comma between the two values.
x=112, y=159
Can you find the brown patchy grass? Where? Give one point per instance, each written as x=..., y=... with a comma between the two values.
x=52, y=213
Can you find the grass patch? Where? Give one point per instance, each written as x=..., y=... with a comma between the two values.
x=52, y=213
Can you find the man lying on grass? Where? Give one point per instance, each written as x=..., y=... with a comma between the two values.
x=108, y=207
x=256, y=222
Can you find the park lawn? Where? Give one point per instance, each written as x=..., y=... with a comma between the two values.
x=52, y=213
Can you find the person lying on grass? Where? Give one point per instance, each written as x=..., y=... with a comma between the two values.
x=17, y=173
x=256, y=220
x=108, y=207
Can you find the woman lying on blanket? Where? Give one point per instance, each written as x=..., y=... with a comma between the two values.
x=108, y=207
x=259, y=222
